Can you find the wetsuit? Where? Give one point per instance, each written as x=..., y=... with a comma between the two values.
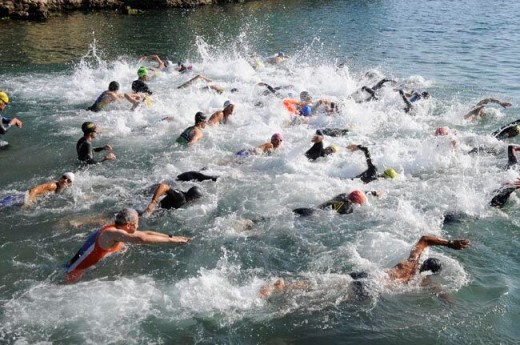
x=408, y=101
x=140, y=86
x=100, y=102
x=511, y=157
x=502, y=195
x=315, y=151
x=340, y=203
x=372, y=90
x=194, y=175
x=4, y=124
x=85, y=151
x=89, y=254
x=334, y=132
x=186, y=135
x=370, y=174
x=174, y=199
x=507, y=131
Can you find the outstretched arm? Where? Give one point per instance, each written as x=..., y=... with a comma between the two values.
x=194, y=79
x=162, y=189
x=382, y=82
x=110, y=236
x=40, y=190
x=429, y=240
x=493, y=100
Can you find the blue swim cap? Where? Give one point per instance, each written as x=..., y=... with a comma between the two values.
x=306, y=111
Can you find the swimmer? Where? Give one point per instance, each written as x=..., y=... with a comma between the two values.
x=274, y=90
x=306, y=99
x=403, y=272
x=110, y=238
x=342, y=203
x=221, y=117
x=84, y=145
x=6, y=122
x=216, y=88
x=412, y=97
x=503, y=193
x=155, y=58
x=195, y=176
x=174, y=198
x=266, y=148
x=479, y=110
x=278, y=58
x=193, y=133
x=508, y=131
x=512, y=161
x=317, y=150
x=111, y=96
x=139, y=85
x=27, y=199
x=445, y=132
x=372, y=90
x=371, y=174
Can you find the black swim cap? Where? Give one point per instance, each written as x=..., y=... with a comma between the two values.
x=88, y=127
x=199, y=117
x=113, y=86
x=193, y=193
x=432, y=264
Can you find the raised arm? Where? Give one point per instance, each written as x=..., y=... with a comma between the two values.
x=429, y=240
x=162, y=189
x=405, y=99
x=493, y=100
x=40, y=190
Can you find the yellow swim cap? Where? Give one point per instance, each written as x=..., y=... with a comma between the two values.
x=334, y=148
x=3, y=97
x=390, y=173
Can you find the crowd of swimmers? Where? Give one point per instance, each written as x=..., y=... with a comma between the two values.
x=125, y=227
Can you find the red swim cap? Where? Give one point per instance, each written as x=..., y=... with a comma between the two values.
x=357, y=197
x=441, y=131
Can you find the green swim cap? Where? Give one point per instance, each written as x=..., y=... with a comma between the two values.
x=517, y=129
x=390, y=173
x=142, y=71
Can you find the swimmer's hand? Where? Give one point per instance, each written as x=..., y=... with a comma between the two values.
x=110, y=157
x=107, y=148
x=505, y=104
x=352, y=147
x=459, y=244
x=179, y=239
x=16, y=122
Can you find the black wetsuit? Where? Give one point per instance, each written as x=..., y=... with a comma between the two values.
x=372, y=90
x=316, y=151
x=501, y=196
x=140, y=86
x=507, y=131
x=99, y=103
x=4, y=124
x=334, y=132
x=85, y=151
x=340, y=203
x=174, y=199
x=370, y=174
x=511, y=157
x=195, y=175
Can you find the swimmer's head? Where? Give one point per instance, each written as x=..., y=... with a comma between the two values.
x=233, y=90
x=281, y=54
x=390, y=173
x=516, y=130
x=425, y=94
x=306, y=111
x=276, y=139
x=127, y=216
x=441, y=131
x=432, y=264
x=113, y=86
x=319, y=132
x=357, y=197
x=305, y=96
x=4, y=98
x=142, y=72
x=69, y=177
x=332, y=148
x=226, y=103
x=200, y=117
x=193, y=193
x=88, y=127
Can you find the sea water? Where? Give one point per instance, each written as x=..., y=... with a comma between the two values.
x=207, y=292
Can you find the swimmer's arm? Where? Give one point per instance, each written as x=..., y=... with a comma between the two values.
x=40, y=190
x=179, y=239
x=405, y=99
x=429, y=240
x=162, y=189
x=437, y=290
x=493, y=100
x=197, y=135
x=110, y=236
x=267, y=147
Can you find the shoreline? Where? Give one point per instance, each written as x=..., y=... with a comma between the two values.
x=41, y=10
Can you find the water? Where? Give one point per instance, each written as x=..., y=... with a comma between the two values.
x=206, y=292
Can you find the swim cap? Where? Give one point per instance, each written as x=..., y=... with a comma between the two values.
x=334, y=148
x=390, y=173
x=432, y=264
x=281, y=54
x=3, y=97
x=441, y=131
x=142, y=71
x=88, y=127
x=193, y=193
x=306, y=111
x=517, y=129
x=199, y=117
x=305, y=96
x=319, y=132
x=357, y=197
x=277, y=136
x=226, y=103
x=70, y=176
x=113, y=86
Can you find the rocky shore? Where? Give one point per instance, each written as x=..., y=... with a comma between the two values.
x=42, y=9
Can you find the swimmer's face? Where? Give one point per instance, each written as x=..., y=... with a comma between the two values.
x=132, y=227
x=2, y=105
x=276, y=142
x=64, y=182
x=202, y=124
